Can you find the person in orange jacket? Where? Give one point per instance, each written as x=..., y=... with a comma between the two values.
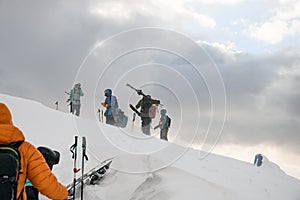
x=33, y=164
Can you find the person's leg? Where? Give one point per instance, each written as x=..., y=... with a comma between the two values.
x=75, y=109
x=110, y=120
x=78, y=110
x=146, y=123
x=164, y=134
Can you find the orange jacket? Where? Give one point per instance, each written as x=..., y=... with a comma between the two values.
x=33, y=164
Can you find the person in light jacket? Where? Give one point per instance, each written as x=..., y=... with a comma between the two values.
x=74, y=99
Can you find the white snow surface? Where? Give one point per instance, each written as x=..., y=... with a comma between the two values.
x=146, y=168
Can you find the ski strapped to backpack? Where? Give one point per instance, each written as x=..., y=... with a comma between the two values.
x=9, y=170
x=153, y=107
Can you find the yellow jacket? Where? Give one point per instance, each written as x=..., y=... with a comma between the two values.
x=33, y=164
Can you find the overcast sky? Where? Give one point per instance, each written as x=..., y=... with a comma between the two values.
x=46, y=46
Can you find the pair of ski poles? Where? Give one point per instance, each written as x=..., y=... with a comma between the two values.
x=84, y=157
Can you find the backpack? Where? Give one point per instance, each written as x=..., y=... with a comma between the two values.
x=121, y=119
x=152, y=111
x=9, y=170
x=168, y=121
x=114, y=103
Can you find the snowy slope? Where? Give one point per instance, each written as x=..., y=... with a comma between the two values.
x=146, y=167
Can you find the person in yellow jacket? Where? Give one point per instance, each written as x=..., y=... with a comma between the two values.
x=33, y=164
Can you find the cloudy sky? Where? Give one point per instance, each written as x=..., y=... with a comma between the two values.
x=253, y=47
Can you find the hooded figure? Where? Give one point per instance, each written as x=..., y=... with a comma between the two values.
x=33, y=165
x=111, y=105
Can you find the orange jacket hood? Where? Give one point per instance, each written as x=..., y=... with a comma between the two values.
x=8, y=132
x=5, y=116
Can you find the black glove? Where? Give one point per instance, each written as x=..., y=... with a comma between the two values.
x=139, y=92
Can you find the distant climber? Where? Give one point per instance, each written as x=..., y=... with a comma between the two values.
x=258, y=160
x=74, y=99
x=145, y=104
x=111, y=105
x=164, y=124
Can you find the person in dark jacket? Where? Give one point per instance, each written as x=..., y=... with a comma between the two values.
x=145, y=104
x=258, y=160
x=111, y=105
x=52, y=158
x=164, y=124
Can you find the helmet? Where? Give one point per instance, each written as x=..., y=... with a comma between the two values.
x=108, y=92
x=163, y=112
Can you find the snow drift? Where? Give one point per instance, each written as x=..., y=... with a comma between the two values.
x=146, y=168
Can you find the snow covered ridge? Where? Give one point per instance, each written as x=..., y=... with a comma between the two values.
x=133, y=176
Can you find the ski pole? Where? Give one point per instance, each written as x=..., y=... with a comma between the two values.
x=73, y=149
x=99, y=115
x=133, y=120
x=84, y=157
x=56, y=103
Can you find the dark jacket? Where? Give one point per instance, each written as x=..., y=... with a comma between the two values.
x=145, y=104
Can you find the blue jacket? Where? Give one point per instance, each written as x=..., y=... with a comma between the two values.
x=112, y=103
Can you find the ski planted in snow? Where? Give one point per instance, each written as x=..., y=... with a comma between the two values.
x=73, y=149
x=84, y=158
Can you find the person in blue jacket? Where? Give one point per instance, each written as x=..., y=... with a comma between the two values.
x=164, y=124
x=111, y=105
x=258, y=160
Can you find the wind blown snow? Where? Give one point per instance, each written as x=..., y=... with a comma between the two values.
x=146, y=168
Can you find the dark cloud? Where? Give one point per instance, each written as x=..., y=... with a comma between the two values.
x=43, y=44
x=263, y=99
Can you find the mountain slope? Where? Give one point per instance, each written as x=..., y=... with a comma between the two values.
x=146, y=167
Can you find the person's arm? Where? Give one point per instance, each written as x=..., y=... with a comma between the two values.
x=41, y=177
x=154, y=101
x=138, y=105
x=71, y=95
x=156, y=127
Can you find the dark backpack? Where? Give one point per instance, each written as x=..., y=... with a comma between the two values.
x=169, y=121
x=9, y=170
